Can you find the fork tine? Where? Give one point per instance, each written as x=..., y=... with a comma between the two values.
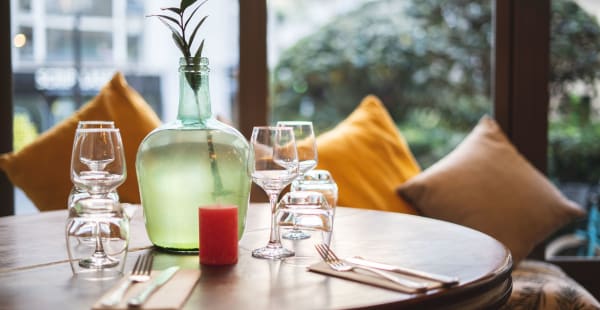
x=148, y=266
x=326, y=253
x=138, y=264
x=331, y=253
x=322, y=253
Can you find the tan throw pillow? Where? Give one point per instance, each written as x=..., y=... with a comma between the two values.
x=487, y=185
x=41, y=169
x=368, y=157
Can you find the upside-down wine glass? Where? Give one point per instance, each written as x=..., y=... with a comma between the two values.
x=274, y=166
x=307, y=159
x=98, y=167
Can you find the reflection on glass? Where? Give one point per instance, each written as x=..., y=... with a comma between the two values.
x=60, y=45
x=86, y=7
x=97, y=46
x=25, y=5
x=133, y=49
x=135, y=7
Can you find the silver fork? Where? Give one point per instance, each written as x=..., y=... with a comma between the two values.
x=140, y=273
x=339, y=265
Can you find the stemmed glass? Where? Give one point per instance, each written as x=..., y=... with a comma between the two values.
x=76, y=192
x=307, y=158
x=98, y=167
x=274, y=166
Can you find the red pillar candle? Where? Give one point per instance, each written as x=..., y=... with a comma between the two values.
x=218, y=228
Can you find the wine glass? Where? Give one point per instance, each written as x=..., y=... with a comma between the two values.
x=311, y=212
x=274, y=166
x=307, y=159
x=98, y=161
x=104, y=222
x=77, y=193
x=98, y=167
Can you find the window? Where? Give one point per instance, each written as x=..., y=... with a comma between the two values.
x=429, y=62
x=520, y=53
x=574, y=115
x=66, y=50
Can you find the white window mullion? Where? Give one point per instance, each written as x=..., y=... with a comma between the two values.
x=119, y=32
x=38, y=11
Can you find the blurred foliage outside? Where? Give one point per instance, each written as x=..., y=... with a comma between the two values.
x=430, y=63
x=24, y=131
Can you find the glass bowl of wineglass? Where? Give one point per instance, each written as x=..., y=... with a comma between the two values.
x=76, y=192
x=274, y=165
x=306, y=145
x=98, y=161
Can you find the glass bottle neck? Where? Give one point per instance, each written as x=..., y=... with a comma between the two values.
x=194, y=95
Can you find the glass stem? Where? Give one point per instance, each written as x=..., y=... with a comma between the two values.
x=99, y=252
x=274, y=240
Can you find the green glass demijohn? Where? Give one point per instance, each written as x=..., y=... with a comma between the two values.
x=193, y=161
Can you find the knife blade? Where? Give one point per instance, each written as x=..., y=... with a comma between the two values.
x=444, y=280
x=161, y=279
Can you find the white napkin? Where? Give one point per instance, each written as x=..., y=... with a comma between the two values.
x=369, y=278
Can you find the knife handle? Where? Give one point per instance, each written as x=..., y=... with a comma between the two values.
x=139, y=299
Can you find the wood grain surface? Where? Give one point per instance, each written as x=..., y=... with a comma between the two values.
x=35, y=273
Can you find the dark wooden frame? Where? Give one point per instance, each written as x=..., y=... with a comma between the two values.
x=521, y=96
x=7, y=204
x=522, y=64
x=253, y=76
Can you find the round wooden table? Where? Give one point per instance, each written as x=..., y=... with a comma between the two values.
x=35, y=274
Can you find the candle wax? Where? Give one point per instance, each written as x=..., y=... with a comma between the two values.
x=218, y=228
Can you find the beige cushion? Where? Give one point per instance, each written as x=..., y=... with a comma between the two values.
x=487, y=185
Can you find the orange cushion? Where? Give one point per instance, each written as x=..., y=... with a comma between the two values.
x=368, y=157
x=41, y=169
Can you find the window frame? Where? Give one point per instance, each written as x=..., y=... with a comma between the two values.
x=7, y=202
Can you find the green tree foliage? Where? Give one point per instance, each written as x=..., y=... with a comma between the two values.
x=430, y=63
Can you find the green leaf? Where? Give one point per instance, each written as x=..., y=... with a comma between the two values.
x=192, y=14
x=199, y=53
x=181, y=45
x=169, y=18
x=185, y=3
x=176, y=36
x=175, y=10
x=196, y=30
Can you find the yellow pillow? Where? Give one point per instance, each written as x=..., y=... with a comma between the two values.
x=41, y=169
x=368, y=157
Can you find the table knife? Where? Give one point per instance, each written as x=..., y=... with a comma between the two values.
x=161, y=279
x=444, y=280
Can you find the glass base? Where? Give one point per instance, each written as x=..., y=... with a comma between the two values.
x=272, y=252
x=98, y=262
x=176, y=250
x=295, y=234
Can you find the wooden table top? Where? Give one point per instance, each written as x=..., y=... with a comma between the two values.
x=35, y=273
